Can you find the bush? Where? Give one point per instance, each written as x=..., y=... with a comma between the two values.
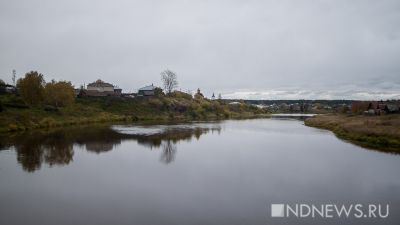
x=180, y=94
x=31, y=88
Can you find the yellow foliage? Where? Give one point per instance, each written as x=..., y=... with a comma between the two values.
x=59, y=93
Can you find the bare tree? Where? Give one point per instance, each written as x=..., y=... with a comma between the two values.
x=169, y=80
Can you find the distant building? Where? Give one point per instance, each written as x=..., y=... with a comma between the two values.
x=295, y=107
x=375, y=107
x=100, y=88
x=147, y=91
x=198, y=94
x=77, y=91
x=392, y=108
x=118, y=91
x=378, y=108
x=11, y=89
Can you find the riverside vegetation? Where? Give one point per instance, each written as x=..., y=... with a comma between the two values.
x=44, y=105
x=378, y=132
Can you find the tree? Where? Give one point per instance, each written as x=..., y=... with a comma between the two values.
x=169, y=80
x=158, y=92
x=31, y=88
x=59, y=93
x=2, y=86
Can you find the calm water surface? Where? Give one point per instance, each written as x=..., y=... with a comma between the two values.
x=200, y=173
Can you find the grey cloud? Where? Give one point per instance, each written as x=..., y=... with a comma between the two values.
x=224, y=46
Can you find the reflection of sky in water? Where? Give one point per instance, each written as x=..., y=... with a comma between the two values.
x=147, y=130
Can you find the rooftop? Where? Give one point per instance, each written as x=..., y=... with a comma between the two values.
x=148, y=88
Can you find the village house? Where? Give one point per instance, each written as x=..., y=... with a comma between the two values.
x=100, y=88
x=147, y=91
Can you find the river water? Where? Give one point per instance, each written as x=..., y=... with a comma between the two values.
x=227, y=172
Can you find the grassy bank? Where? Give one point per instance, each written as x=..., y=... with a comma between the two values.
x=377, y=132
x=16, y=116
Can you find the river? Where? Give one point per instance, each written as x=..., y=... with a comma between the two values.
x=226, y=172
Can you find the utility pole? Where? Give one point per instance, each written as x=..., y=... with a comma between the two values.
x=13, y=77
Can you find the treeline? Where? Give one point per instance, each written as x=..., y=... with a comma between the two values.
x=34, y=90
x=300, y=101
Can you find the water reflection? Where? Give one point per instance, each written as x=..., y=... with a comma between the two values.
x=166, y=137
x=56, y=147
x=169, y=151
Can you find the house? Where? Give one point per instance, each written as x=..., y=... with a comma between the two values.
x=147, y=91
x=375, y=107
x=118, y=91
x=295, y=107
x=11, y=89
x=392, y=108
x=100, y=88
x=7, y=88
x=378, y=108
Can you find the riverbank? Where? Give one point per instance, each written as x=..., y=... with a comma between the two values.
x=377, y=132
x=16, y=116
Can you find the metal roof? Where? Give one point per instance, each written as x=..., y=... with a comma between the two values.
x=147, y=88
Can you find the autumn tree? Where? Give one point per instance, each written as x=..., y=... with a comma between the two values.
x=169, y=80
x=31, y=88
x=59, y=93
x=158, y=92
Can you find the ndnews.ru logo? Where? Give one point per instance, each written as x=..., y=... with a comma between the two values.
x=330, y=210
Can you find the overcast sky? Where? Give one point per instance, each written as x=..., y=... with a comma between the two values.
x=328, y=49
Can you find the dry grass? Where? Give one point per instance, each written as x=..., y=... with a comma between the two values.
x=379, y=132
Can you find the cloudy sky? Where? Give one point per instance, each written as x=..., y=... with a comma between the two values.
x=254, y=49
